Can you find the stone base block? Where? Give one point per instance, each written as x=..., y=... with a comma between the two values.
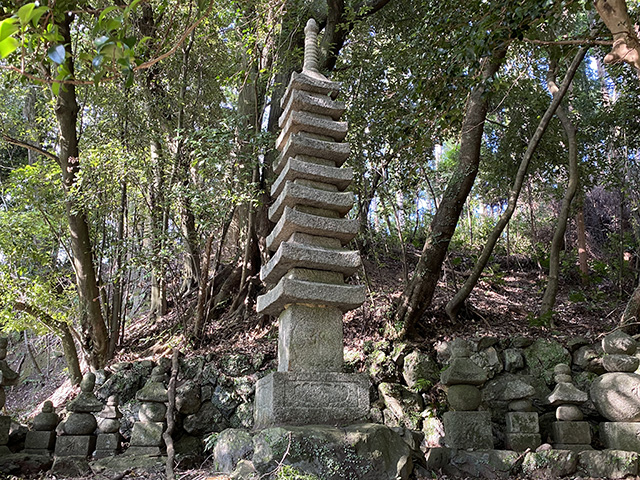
x=42, y=440
x=5, y=425
x=137, y=450
x=75, y=445
x=304, y=398
x=520, y=442
x=468, y=430
x=571, y=433
x=147, y=434
x=621, y=435
x=71, y=466
x=574, y=447
x=608, y=463
x=485, y=464
x=108, y=441
x=522, y=422
x=549, y=464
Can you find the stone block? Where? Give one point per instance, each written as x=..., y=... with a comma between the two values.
x=307, y=83
x=574, y=447
x=108, y=441
x=75, y=445
x=620, y=363
x=464, y=397
x=295, y=255
x=147, y=434
x=614, y=396
x=468, y=430
x=483, y=464
x=608, y=463
x=293, y=221
x=302, y=121
x=310, y=339
x=520, y=442
x=522, y=422
x=571, y=432
x=550, y=464
x=301, y=144
x=621, y=435
x=5, y=425
x=306, y=168
x=138, y=450
x=299, y=100
x=320, y=398
x=40, y=440
x=289, y=291
x=294, y=194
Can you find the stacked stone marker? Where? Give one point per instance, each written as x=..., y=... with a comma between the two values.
x=146, y=437
x=108, y=443
x=465, y=427
x=523, y=428
x=76, y=434
x=7, y=378
x=306, y=273
x=615, y=393
x=42, y=439
x=569, y=432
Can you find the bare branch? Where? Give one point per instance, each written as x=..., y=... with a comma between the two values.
x=21, y=143
x=573, y=41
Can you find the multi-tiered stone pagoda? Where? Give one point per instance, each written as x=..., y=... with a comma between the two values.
x=307, y=271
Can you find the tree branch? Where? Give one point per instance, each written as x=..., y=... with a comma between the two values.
x=21, y=143
x=575, y=41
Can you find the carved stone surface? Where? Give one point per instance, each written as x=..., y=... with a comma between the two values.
x=75, y=445
x=286, y=398
x=468, y=430
x=571, y=433
x=621, y=435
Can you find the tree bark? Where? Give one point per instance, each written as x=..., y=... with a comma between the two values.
x=626, y=45
x=456, y=303
x=417, y=297
x=94, y=331
x=549, y=297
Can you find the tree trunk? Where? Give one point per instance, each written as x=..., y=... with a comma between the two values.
x=118, y=292
x=549, y=297
x=158, y=305
x=626, y=45
x=582, y=243
x=455, y=304
x=417, y=297
x=94, y=331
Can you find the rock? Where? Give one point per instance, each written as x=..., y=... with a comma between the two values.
x=542, y=356
x=189, y=446
x=86, y=401
x=243, y=416
x=486, y=464
x=125, y=382
x=405, y=404
x=574, y=343
x=433, y=430
x=569, y=413
x=47, y=419
x=420, y=371
x=516, y=390
x=513, y=359
x=587, y=358
x=232, y=445
x=521, y=405
x=621, y=436
x=567, y=393
x=224, y=399
x=468, y=430
x=615, y=396
x=235, y=365
x=245, y=387
x=609, y=463
x=521, y=342
x=246, y=471
x=152, y=412
x=463, y=371
x=464, y=397
x=487, y=342
x=210, y=374
x=381, y=366
x=208, y=419
x=547, y=463
x=620, y=363
x=489, y=361
x=188, y=398
x=619, y=342
x=190, y=368
x=460, y=348
x=154, y=390
x=80, y=424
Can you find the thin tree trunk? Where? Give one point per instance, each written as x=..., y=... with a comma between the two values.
x=549, y=297
x=158, y=305
x=94, y=332
x=32, y=355
x=118, y=293
x=455, y=304
x=417, y=297
x=582, y=243
x=171, y=416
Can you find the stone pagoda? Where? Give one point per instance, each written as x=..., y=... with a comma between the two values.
x=7, y=378
x=307, y=271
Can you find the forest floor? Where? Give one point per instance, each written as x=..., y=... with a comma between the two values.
x=504, y=304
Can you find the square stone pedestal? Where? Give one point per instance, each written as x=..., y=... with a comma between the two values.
x=311, y=398
x=75, y=445
x=5, y=425
x=571, y=433
x=621, y=435
x=39, y=442
x=468, y=430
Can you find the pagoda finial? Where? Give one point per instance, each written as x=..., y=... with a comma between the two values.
x=311, y=53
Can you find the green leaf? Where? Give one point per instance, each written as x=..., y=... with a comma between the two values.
x=57, y=54
x=55, y=88
x=100, y=41
x=97, y=61
x=8, y=46
x=105, y=12
x=24, y=13
x=37, y=13
x=7, y=28
x=131, y=6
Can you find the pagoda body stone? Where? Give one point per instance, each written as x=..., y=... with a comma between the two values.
x=465, y=427
x=41, y=439
x=569, y=432
x=7, y=378
x=307, y=270
x=523, y=428
x=76, y=435
x=146, y=436
x=109, y=440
